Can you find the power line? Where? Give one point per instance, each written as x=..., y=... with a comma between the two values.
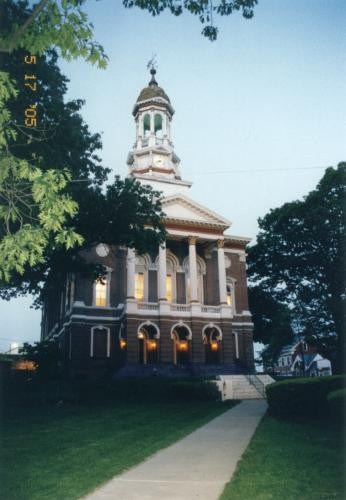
x=240, y=171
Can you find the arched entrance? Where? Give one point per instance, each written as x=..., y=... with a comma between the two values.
x=148, y=343
x=212, y=336
x=181, y=336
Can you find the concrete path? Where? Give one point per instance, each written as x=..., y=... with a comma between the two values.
x=198, y=466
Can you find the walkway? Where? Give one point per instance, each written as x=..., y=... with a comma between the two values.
x=198, y=466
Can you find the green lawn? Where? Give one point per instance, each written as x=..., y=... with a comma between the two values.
x=291, y=461
x=63, y=453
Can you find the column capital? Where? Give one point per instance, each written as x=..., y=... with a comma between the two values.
x=192, y=240
x=220, y=243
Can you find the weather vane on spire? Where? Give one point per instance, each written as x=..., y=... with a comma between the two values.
x=152, y=64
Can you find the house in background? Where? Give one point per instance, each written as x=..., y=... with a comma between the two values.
x=302, y=359
x=186, y=306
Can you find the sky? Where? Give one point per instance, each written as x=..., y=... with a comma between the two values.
x=259, y=113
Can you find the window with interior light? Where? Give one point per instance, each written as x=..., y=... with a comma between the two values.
x=229, y=295
x=101, y=292
x=139, y=286
x=141, y=277
x=169, y=288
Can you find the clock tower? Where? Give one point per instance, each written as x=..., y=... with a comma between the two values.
x=152, y=159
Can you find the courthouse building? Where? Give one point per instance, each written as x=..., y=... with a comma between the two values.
x=185, y=308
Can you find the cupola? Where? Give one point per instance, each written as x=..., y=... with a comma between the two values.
x=153, y=153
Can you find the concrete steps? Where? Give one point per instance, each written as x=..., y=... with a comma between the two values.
x=237, y=387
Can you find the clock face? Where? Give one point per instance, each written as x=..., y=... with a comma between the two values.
x=158, y=161
x=102, y=250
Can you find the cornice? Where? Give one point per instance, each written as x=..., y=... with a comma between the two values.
x=237, y=239
x=193, y=223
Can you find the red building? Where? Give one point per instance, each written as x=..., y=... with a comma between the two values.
x=184, y=308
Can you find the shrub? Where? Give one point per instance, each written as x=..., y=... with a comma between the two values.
x=195, y=390
x=303, y=397
x=337, y=403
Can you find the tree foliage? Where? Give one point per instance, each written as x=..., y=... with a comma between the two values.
x=272, y=322
x=205, y=10
x=123, y=213
x=299, y=258
x=48, y=24
x=47, y=358
x=34, y=206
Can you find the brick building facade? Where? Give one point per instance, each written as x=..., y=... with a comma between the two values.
x=185, y=308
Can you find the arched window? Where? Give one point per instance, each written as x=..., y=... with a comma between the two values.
x=141, y=277
x=148, y=343
x=230, y=287
x=158, y=125
x=101, y=290
x=181, y=336
x=212, y=336
x=172, y=264
x=146, y=125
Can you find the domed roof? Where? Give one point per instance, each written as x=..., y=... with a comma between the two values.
x=152, y=90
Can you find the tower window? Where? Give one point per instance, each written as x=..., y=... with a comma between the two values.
x=146, y=125
x=101, y=292
x=158, y=125
x=139, y=286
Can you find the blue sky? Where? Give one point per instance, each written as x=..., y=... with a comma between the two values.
x=268, y=95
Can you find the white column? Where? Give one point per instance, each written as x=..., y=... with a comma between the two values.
x=222, y=272
x=162, y=272
x=193, y=269
x=152, y=132
x=139, y=131
x=236, y=344
x=131, y=270
x=152, y=129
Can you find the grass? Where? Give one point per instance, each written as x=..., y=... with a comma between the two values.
x=65, y=452
x=291, y=460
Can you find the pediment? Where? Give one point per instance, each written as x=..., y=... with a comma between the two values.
x=179, y=207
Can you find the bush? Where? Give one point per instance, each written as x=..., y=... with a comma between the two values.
x=303, y=397
x=195, y=391
x=337, y=403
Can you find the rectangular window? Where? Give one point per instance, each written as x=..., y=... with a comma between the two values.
x=229, y=295
x=139, y=286
x=169, y=289
x=101, y=293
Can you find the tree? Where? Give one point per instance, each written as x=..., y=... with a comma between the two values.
x=126, y=213
x=47, y=358
x=272, y=323
x=35, y=209
x=46, y=24
x=299, y=257
x=205, y=10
